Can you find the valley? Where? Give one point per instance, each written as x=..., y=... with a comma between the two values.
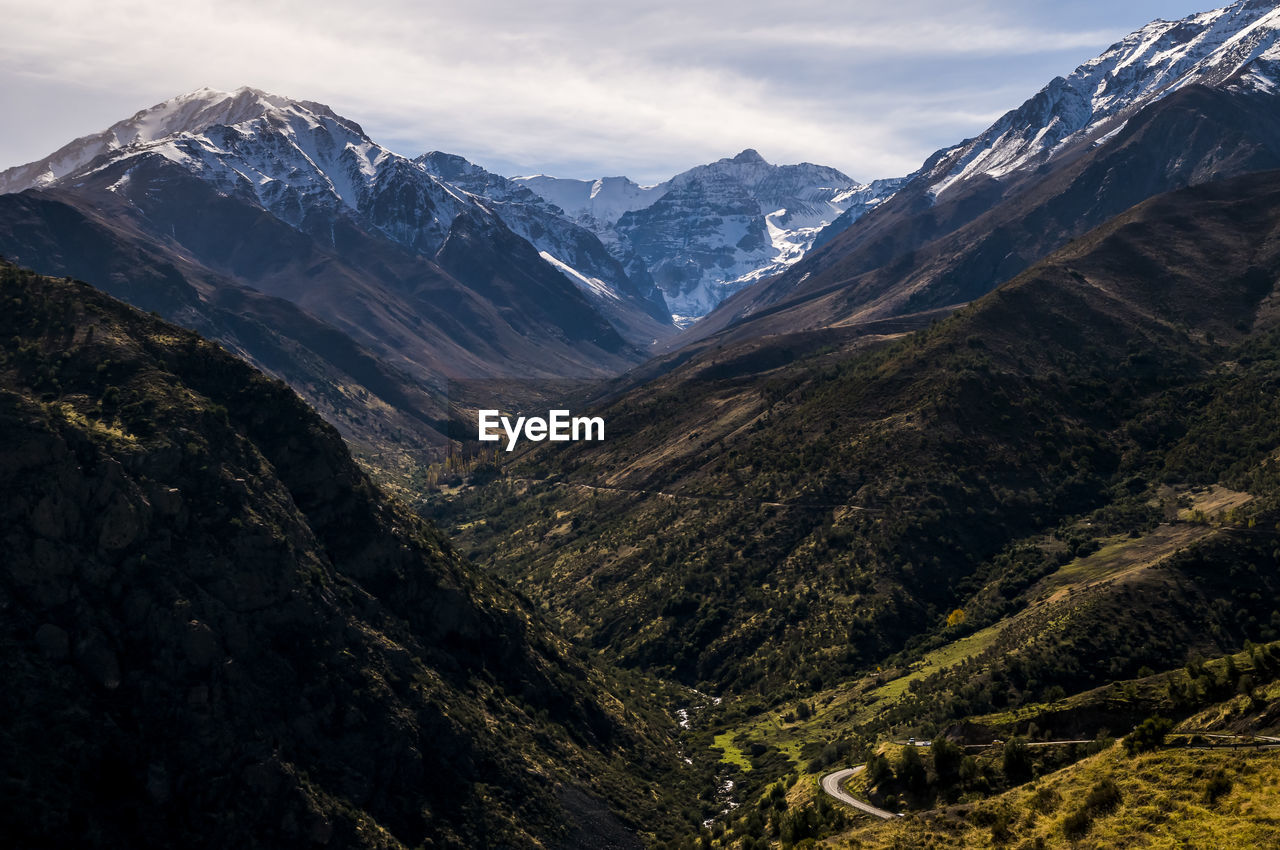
x=1131, y=570
x=358, y=499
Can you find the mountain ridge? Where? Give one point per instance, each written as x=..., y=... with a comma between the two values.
x=963, y=222
x=1155, y=61
x=225, y=634
x=714, y=229
x=312, y=169
x=573, y=249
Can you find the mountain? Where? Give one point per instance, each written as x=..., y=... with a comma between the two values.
x=384, y=413
x=572, y=248
x=1235, y=45
x=596, y=204
x=1175, y=104
x=299, y=203
x=186, y=114
x=296, y=159
x=218, y=632
x=712, y=230
x=783, y=513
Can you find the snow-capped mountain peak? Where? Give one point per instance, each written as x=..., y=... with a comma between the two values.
x=317, y=172
x=572, y=249
x=595, y=204
x=290, y=157
x=697, y=237
x=716, y=228
x=1237, y=43
x=191, y=113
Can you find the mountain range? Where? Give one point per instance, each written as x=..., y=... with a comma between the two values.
x=1174, y=104
x=980, y=456
x=981, y=463
x=283, y=231
x=323, y=178
x=382, y=287
x=713, y=230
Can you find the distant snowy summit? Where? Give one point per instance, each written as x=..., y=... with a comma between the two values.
x=292, y=158
x=573, y=249
x=311, y=168
x=1235, y=46
x=1173, y=104
x=714, y=229
x=191, y=113
x=679, y=247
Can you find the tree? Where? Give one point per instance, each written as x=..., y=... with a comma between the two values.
x=947, y=757
x=1148, y=735
x=969, y=770
x=879, y=773
x=1017, y=761
x=911, y=770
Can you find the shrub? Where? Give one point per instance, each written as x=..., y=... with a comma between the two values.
x=1148, y=736
x=1045, y=799
x=1076, y=824
x=1218, y=786
x=1103, y=797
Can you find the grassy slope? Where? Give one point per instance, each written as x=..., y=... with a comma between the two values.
x=898, y=700
x=1163, y=800
x=1163, y=804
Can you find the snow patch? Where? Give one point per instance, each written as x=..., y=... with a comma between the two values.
x=591, y=285
x=1110, y=134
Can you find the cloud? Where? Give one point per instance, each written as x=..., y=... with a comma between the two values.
x=570, y=85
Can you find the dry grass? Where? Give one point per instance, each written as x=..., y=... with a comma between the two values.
x=1163, y=805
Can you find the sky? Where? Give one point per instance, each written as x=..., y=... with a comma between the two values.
x=572, y=88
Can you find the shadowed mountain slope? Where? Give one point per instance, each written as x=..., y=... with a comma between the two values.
x=218, y=632
x=380, y=410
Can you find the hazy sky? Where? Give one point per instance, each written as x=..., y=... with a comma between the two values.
x=571, y=88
